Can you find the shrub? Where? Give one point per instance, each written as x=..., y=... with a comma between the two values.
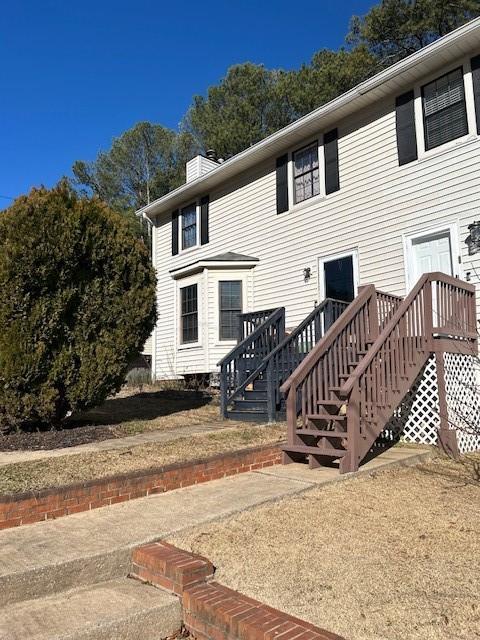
x=77, y=302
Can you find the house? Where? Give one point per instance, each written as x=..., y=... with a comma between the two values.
x=377, y=187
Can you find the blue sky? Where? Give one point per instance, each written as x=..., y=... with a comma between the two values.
x=76, y=74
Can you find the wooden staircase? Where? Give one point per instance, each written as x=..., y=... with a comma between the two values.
x=252, y=373
x=348, y=387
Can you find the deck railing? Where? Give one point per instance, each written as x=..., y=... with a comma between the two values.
x=249, y=321
x=373, y=353
x=284, y=359
x=239, y=363
x=437, y=305
x=346, y=341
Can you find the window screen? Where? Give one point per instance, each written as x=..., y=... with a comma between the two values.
x=444, y=110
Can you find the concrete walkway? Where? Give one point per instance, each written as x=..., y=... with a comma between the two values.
x=167, y=435
x=40, y=559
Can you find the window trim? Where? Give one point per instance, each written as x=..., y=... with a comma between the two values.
x=321, y=171
x=181, y=249
x=182, y=315
x=472, y=136
x=424, y=115
x=220, y=282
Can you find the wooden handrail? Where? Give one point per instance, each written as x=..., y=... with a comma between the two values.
x=435, y=276
x=298, y=330
x=321, y=347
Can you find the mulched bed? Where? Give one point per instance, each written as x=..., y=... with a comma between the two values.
x=57, y=439
x=150, y=406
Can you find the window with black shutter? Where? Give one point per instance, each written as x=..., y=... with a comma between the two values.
x=332, y=175
x=230, y=305
x=174, y=233
x=204, y=223
x=405, y=128
x=475, y=62
x=189, y=314
x=444, y=109
x=282, y=183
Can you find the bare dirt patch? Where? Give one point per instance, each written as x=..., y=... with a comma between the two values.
x=132, y=411
x=391, y=557
x=65, y=470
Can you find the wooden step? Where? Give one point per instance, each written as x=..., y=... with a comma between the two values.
x=317, y=451
x=254, y=394
x=326, y=416
x=331, y=403
x=322, y=433
x=250, y=405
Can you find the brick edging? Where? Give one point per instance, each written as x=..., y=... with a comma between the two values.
x=55, y=502
x=210, y=610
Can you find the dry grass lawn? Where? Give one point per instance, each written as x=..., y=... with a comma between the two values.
x=393, y=557
x=63, y=470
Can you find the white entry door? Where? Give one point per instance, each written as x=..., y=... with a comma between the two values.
x=430, y=253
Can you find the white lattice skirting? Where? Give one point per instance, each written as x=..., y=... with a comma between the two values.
x=418, y=420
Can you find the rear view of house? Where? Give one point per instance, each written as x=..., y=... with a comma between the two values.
x=260, y=257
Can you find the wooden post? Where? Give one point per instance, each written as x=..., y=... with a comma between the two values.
x=447, y=438
x=373, y=319
x=223, y=391
x=428, y=313
x=292, y=437
x=350, y=462
x=271, y=404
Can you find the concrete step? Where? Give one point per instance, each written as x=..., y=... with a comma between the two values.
x=116, y=610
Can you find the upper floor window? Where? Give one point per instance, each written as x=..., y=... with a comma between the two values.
x=189, y=226
x=189, y=314
x=444, y=109
x=230, y=293
x=306, y=176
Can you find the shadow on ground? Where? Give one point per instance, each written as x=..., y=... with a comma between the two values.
x=142, y=406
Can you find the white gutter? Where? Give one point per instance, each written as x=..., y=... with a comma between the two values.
x=246, y=158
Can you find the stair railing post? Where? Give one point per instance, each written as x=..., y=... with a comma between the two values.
x=428, y=313
x=350, y=462
x=223, y=391
x=373, y=318
x=447, y=438
x=271, y=404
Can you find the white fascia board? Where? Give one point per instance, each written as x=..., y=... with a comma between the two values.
x=208, y=264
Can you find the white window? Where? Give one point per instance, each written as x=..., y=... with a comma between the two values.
x=230, y=308
x=444, y=109
x=306, y=174
x=189, y=226
x=189, y=314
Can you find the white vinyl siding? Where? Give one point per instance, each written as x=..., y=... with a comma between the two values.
x=378, y=205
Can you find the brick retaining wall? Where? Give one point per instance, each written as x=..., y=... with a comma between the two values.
x=35, y=506
x=212, y=611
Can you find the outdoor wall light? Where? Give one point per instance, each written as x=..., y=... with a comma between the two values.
x=307, y=272
x=473, y=239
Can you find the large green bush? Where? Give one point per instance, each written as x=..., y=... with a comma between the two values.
x=77, y=302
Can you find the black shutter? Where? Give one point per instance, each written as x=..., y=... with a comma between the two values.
x=282, y=184
x=204, y=203
x=332, y=176
x=405, y=125
x=476, y=87
x=174, y=232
